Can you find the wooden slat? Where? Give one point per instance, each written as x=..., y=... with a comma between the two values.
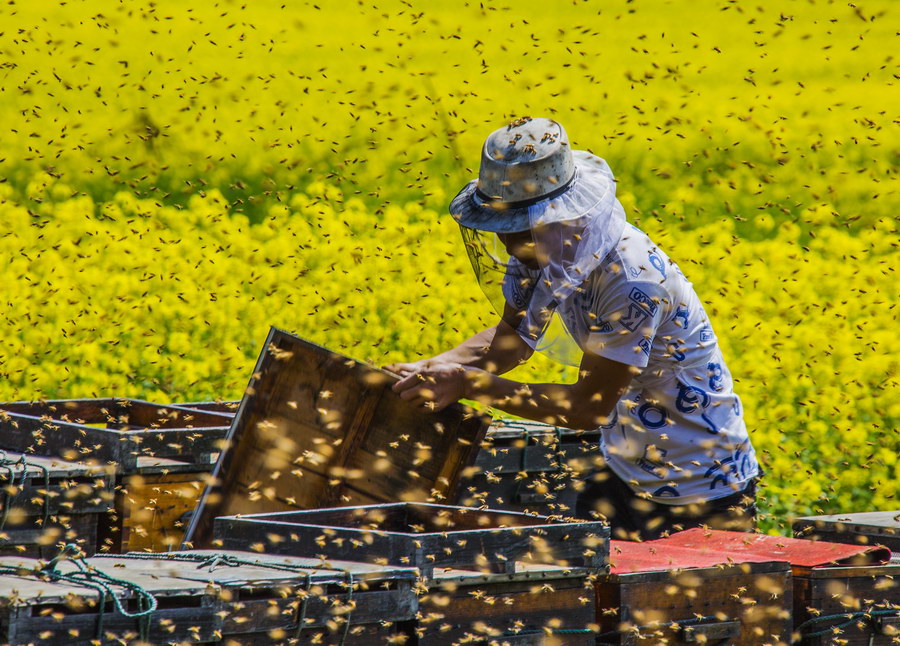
x=311, y=411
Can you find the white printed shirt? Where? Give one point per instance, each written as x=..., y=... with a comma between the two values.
x=678, y=435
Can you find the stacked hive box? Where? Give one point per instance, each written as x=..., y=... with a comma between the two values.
x=486, y=576
x=530, y=466
x=230, y=598
x=160, y=457
x=48, y=501
x=659, y=593
x=843, y=594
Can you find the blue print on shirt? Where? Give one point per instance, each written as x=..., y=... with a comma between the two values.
x=716, y=376
x=655, y=467
x=658, y=263
x=681, y=316
x=690, y=399
x=666, y=491
x=602, y=326
x=644, y=345
x=643, y=300
x=653, y=416
x=734, y=467
x=634, y=318
x=706, y=334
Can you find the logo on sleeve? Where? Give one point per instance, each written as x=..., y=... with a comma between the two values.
x=602, y=326
x=634, y=318
x=644, y=345
x=643, y=300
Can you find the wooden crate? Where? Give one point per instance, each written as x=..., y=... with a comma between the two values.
x=537, y=605
x=153, y=503
x=648, y=598
x=530, y=466
x=865, y=528
x=317, y=429
x=863, y=604
x=46, y=501
x=420, y=535
x=214, y=598
x=114, y=431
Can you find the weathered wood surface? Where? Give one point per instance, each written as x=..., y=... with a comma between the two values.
x=114, y=431
x=866, y=600
x=744, y=604
x=536, y=605
x=421, y=535
x=864, y=528
x=318, y=429
x=212, y=597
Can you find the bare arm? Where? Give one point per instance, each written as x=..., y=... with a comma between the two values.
x=584, y=404
x=496, y=350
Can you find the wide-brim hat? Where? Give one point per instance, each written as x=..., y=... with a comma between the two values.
x=529, y=176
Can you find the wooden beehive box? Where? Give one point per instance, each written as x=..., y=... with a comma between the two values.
x=530, y=466
x=847, y=605
x=317, y=429
x=864, y=528
x=421, y=535
x=852, y=581
x=237, y=598
x=117, y=431
x=659, y=594
x=47, y=501
x=153, y=502
x=538, y=605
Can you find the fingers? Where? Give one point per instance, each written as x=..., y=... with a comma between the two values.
x=407, y=368
x=409, y=380
x=401, y=368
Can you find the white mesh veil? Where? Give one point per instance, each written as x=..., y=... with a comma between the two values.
x=572, y=233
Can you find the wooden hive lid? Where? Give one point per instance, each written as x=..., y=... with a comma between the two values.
x=317, y=429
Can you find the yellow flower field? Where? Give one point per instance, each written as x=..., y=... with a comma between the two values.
x=174, y=179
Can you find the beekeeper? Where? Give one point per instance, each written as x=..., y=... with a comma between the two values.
x=568, y=276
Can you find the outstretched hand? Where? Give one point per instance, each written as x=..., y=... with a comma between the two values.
x=430, y=384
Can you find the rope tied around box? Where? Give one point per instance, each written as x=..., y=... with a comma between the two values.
x=90, y=577
x=10, y=466
x=845, y=619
